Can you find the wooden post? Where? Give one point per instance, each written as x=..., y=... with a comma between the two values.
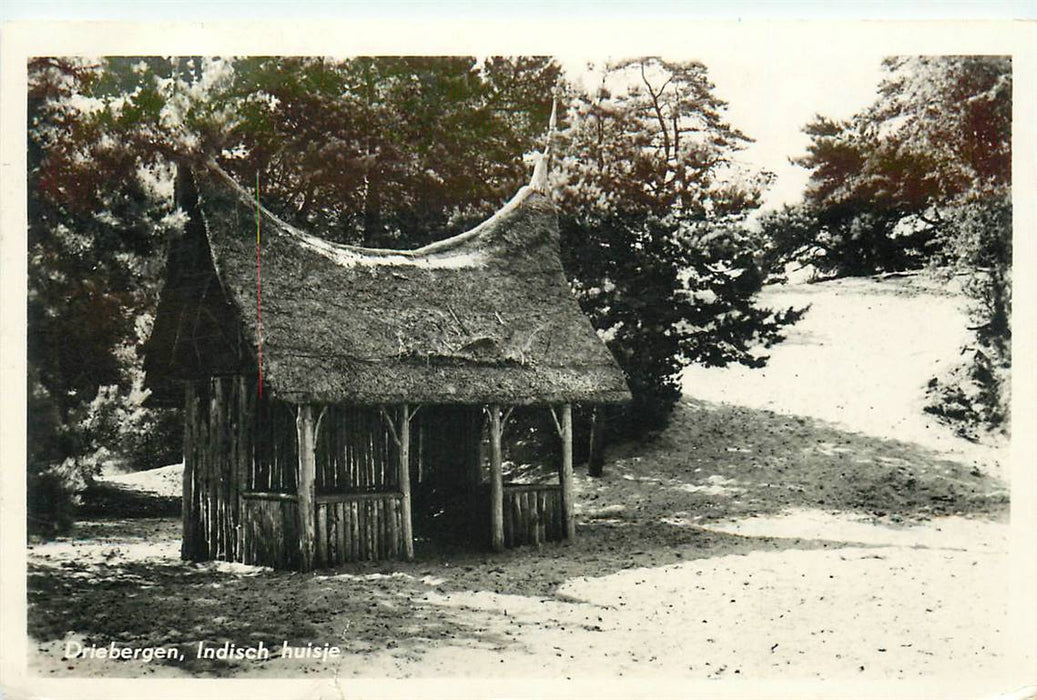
x=187, y=545
x=496, y=481
x=565, y=479
x=307, y=474
x=404, y=479
x=401, y=437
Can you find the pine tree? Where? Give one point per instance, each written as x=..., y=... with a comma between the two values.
x=654, y=237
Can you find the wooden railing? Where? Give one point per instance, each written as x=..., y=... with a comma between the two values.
x=359, y=526
x=270, y=529
x=532, y=514
x=369, y=526
x=349, y=527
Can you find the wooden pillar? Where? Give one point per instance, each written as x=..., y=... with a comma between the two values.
x=496, y=481
x=306, y=488
x=404, y=479
x=565, y=479
x=187, y=510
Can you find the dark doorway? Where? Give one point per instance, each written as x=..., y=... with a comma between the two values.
x=449, y=498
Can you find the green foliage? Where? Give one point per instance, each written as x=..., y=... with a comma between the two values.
x=885, y=185
x=388, y=151
x=976, y=395
x=117, y=426
x=50, y=503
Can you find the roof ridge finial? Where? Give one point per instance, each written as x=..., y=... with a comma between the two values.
x=539, y=180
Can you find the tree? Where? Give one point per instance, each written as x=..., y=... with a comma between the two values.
x=97, y=219
x=955, y=119
x=921, y=177
x=653, y=229
x=95, y=225
x=883, y=184
x=387, y=151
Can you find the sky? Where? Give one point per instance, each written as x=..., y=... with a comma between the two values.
x=771, y=101
x=771, y=98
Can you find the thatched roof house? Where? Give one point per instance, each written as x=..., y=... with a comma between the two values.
x=477, y=322
x=486, y=316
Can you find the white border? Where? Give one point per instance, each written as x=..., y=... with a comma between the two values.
x=517, y=34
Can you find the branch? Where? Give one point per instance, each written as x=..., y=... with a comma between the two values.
x=554, y=417
x=658, y=109
x=392, y=426
x=320, y=419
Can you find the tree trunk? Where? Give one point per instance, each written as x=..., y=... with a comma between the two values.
x=404, y=479
x=189, y=546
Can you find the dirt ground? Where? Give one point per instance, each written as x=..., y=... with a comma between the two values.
x=762, y=536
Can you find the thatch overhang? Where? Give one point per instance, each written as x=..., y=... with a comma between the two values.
x=486, y=316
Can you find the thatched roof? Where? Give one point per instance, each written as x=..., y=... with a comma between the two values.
x=485, y=316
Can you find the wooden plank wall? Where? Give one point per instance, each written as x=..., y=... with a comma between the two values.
x=359, y=527
x=355, y=452
x=217, y=453
x=240, y=481
x=533, y=514
x=270, y=523
x=350, y=527
x=276, y=448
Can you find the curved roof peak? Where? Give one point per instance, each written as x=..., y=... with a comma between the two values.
x=466, y=249
x=543, y=165
x=460, y=250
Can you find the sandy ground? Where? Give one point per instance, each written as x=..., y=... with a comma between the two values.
x=819, y=595
x=863, y=610
x=165, y=482
x=734, y=547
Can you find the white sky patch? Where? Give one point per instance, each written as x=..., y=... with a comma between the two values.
x=772, y=101
x=771, y=98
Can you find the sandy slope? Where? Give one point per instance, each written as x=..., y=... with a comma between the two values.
x=164, y=481
x=860, y=358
